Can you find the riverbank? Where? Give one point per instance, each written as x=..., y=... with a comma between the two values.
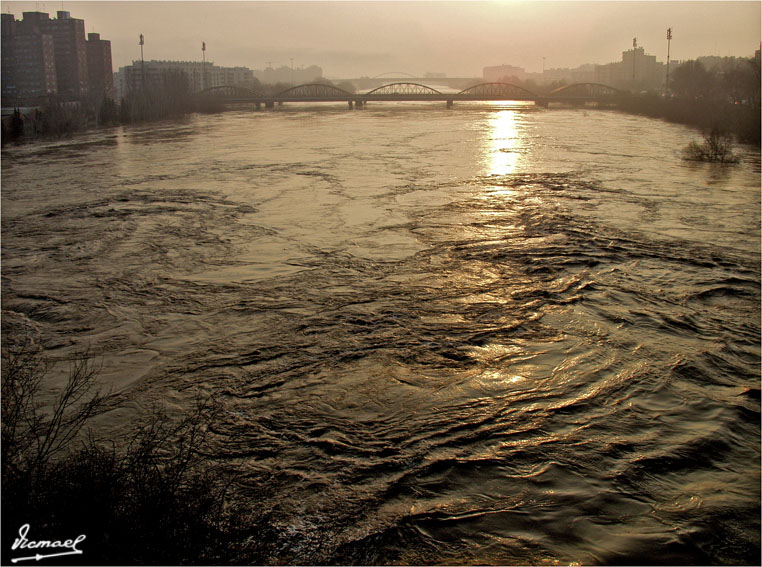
x=741, y=121
x=56, y=121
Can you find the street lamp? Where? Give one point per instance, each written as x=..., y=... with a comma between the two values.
x=142, y=64
x=669, y=39
x=203, y=65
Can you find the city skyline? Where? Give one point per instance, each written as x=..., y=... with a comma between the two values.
x=352, y=39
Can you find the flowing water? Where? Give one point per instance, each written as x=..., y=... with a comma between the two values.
x=486, y=334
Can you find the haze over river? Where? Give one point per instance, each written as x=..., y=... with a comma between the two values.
x=489, y=334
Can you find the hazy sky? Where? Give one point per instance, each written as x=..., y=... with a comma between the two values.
x=350, y=39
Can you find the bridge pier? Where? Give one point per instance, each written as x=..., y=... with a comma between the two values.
x=258, y=105
x=270, y=104
x=449, y=103
x=541, y=102
x=351, y=105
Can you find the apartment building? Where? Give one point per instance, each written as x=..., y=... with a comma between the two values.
x=99, y=69
x=197, y=74
x=636, y=72
x=44, y=57
x=28, y=62
x=70, y=52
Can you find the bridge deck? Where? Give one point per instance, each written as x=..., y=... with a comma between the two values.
x=413, y=92
x=421, y=98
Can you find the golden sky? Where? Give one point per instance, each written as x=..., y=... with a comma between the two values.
x=350, y=39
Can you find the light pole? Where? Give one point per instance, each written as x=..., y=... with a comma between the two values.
x=669, y=39
x=292, y=70
x=142, y=65
x=203, y=65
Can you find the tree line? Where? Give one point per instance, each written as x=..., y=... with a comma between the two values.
x=716, y=94
x=727, y=79
x=167, y=96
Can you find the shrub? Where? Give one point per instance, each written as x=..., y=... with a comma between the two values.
x=717, y=147
x=151, y=499
x=31, y=436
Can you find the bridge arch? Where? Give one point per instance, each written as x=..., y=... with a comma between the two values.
x=586, y=90
x=228, y=91
x=498, y=90
x=403, y=89
x=313, y=90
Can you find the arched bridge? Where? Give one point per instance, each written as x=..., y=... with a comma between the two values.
x=586, y=90
x=398, y=90
x=497, y=91
x=314, y=92
x=405, y=91
x=395, y=74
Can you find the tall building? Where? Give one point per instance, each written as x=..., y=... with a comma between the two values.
x=42, y=57
x=641, y=70
x=7, y=78
x=636, y=71
x=28, y=61
x=71, y=53
x=100, y=73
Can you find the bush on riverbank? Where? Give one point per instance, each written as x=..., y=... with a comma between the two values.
x=152, y=498
x=59, y=120
x=716, y=147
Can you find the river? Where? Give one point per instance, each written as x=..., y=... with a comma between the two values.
x=488, y=334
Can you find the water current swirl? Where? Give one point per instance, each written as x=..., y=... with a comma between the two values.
x=488, y=334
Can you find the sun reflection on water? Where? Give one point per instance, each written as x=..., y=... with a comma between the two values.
x=504, y=149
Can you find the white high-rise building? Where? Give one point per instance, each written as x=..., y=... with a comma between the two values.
x=199, y=75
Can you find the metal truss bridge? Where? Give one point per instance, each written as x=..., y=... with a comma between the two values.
x=578, y=93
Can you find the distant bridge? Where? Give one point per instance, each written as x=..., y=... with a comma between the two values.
x=395, y=74
x=579, y=93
